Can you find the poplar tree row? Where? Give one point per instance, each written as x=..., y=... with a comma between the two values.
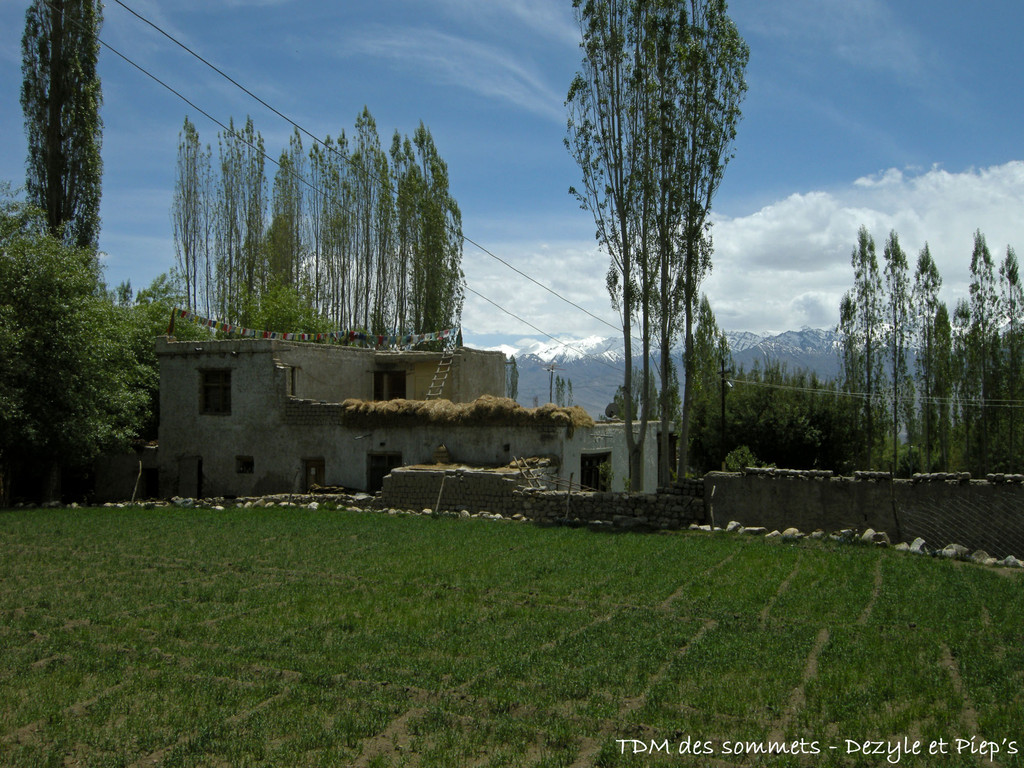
x=370, y=238
x=942, y=390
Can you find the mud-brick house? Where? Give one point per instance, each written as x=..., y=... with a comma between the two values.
x=256, y=416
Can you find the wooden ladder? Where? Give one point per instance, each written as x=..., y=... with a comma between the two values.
x=530, y=475
x=444, y=367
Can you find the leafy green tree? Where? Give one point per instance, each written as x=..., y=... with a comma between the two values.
x=286, y=234
x=192, y=216
x=652, y=114
x=436, y=278
x=710, y=359
x=713, y=86
x=983, y=336
x=69, y=385
x=861, y=331
x=60, y=98
x=897, y=336
x=283, y=307
x=1012, y=300
x=606, y=137
x=929, y=366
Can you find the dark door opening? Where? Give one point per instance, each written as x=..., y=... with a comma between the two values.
x=313, y=473
x=388, y=385
x=591, y=473
x=378, y=465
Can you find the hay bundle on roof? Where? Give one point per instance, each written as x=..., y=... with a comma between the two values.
x=484, y=411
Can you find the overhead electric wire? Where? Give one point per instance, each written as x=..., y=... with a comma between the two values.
x=885, y=395
x=266, y=156
x=364, y=170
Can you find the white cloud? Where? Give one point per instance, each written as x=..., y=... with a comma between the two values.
x=787, y=265
x=464, y=63
x=550, y=19
x=780, y=268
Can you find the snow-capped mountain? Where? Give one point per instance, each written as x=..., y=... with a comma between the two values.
x=594, y=365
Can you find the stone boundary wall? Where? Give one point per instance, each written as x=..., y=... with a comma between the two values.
x=669, y=509
x=505, y=494
x=941, y=509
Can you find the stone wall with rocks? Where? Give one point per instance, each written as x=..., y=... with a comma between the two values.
x=940, y=509
x=669, y=509
x=507, y=494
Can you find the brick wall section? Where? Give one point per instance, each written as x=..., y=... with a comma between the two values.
x=418, y=489
x=311, y=413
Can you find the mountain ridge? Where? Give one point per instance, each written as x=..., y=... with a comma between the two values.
x=594, y=364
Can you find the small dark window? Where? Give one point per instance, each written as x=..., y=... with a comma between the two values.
x=244, y=465
x=388, y=385
x=215, y=391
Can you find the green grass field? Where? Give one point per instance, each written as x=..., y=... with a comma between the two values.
x=338, y=638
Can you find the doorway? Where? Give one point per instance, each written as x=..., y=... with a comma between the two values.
x=378, y=465
x=312, y=473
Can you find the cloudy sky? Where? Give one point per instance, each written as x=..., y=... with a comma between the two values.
x=892, y=114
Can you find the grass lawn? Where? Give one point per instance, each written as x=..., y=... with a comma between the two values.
x=337, y=638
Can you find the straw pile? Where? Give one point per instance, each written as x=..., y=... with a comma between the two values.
x=484, y=411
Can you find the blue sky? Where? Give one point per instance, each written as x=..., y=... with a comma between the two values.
x=894, y=115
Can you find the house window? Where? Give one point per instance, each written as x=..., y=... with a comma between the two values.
x=388, y=385
x=594, y=470
x=215, y=391
x=244, y=465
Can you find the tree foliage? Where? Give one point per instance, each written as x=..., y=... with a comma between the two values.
x=652, y=114
x=371, y=239
x=60, y=99
x=69, y=384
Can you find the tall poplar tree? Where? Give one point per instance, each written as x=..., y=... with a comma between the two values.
x=606, y=137
x=984, y=338
x=861, y=316
x=1012, y=300
x=713, y=88
x=652, y=114
x=192, y=217
x=928, y=367
x=60, y=99
x=897, y=335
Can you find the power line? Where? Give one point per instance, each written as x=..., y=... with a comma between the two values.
x=886, y=396
x=364, y=170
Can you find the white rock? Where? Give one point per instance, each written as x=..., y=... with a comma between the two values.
x=1012, y=562
x=733, y=526
x=773, y=535
x=918, y=546
x=954, y=551
x=791, y=534
x=755, y=531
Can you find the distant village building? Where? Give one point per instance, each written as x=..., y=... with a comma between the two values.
x=259, y=416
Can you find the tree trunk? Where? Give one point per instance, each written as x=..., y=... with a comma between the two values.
x=51, y=484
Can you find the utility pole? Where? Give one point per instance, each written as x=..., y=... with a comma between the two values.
x=724, y=383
